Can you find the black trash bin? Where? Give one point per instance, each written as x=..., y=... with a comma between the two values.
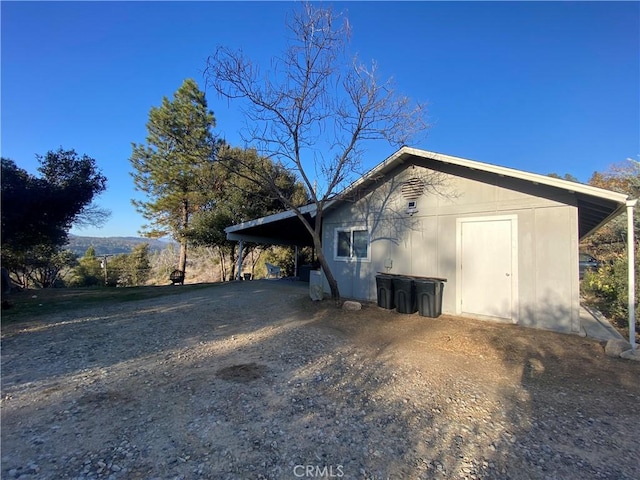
x=404, y=295
x=304, y=272
x=384, y=284
x=429, y=296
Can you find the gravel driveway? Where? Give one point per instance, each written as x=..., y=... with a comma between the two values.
x=252, y=380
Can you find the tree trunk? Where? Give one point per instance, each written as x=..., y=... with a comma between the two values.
x=317, y=243
x=333, y=283
x=223, y=266
x=254, y=260
x=234, y=261
x=182, y=262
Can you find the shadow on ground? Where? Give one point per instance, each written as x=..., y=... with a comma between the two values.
x=253, y=380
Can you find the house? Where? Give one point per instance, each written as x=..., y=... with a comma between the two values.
x=505, y=240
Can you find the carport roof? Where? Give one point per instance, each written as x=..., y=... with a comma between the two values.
x=596, y=206
x=284, y=228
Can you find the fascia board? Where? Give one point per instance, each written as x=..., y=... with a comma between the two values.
x=258, y=239
x=399, y=157
x=576, y=187
x=310, y=208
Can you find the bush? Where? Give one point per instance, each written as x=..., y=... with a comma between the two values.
x=607, y=289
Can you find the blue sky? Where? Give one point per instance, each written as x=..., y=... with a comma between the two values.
x=538, y=86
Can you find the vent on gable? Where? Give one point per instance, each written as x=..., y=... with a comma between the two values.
x=413, y=188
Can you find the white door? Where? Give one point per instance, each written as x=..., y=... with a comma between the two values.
x=487, y=267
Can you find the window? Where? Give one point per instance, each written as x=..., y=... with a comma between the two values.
x=351, y=243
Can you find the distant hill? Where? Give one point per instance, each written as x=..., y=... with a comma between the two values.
x=111, y=245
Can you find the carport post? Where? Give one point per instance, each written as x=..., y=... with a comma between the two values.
x=239, y=272
x=632, y=274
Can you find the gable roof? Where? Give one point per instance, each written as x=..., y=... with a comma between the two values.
x=596, y=206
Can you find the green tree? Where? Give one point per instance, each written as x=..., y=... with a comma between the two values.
x=77, y=181
x=608, y=288
x=314, y=111
x=139, y=265
x=208, y=230
x=44, y=264
x=236, y=196
x=179, y=152
x=38, y=212
x=117, y=270
x=129, y=269
x=89, y=271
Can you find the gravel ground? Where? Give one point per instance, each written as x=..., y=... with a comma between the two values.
x=252, y=380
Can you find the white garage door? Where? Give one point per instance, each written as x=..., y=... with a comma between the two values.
x=487, y=267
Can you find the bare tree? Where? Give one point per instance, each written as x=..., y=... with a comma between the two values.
x=313, y=109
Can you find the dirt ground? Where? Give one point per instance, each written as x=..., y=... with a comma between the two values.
x=253, y=380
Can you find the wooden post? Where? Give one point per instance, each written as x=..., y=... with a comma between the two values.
x=104, y=266
x=239, y=272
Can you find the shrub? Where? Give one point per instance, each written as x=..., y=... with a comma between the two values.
x=607, y=289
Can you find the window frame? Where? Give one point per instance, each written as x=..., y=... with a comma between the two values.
x=352, y=257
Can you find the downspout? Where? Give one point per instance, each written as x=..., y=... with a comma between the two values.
x=632, y=274
x=239, y=269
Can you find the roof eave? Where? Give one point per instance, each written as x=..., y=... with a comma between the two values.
x=613, y=215
x=404, y=153
x=536, y=178
x=307, y=209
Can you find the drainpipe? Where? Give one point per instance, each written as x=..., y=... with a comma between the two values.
x=632, y=274
x=239, y=269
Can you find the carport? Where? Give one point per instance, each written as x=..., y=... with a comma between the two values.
x=284, y=228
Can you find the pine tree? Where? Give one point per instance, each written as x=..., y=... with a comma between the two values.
x=89, y=271
x=139, y=264
x=179, y=151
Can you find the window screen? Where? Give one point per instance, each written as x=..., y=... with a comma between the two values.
x=344, y=244
x=360, y=243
